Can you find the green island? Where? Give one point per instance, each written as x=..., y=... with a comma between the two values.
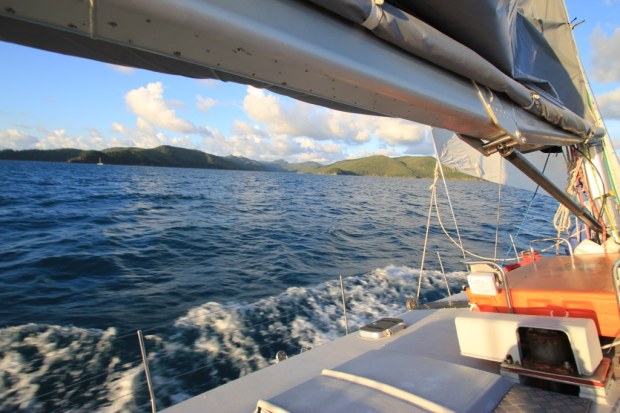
x=170, y=156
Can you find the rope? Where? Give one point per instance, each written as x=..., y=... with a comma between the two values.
x=445, y=185
x=527, y=210
x=428, y=225
x=463, y=250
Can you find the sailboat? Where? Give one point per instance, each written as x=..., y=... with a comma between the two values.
x=500, y=82
x=99, y=163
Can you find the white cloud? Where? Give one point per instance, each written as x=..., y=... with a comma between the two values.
x=251, y=141
x=204, y=104
x=51, y=139
x=605, y=55
x=609, y=104
x=15, y=139
x=149, y=104
x=297, y=119
x=397, y=131
x=274, y=128
x=144, y=135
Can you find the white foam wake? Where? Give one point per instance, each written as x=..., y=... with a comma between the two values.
x=54, y=368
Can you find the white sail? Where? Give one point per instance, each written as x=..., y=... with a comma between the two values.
x=455, y=153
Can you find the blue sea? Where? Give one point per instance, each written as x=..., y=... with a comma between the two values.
x=219, y=269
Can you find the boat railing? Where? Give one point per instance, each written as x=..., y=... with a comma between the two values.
x=556, y=242
x=499, y=272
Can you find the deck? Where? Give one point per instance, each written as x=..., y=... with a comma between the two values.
x=560, y=287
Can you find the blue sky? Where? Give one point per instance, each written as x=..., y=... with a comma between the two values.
x=53, y=101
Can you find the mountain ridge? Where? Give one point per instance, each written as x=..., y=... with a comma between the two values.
x=170, y=156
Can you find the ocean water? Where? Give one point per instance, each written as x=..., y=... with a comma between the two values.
x=219, y=269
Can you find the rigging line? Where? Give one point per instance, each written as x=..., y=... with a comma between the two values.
x=428, y=225
x=586, y=188
x=529, y=205
x=602, y=183
x=443, y=178
x=463, y=250
x=499, y=205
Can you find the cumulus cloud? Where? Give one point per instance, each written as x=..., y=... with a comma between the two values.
x=144, y=135
x=609, y=104
x=605, y=55
x=270, y=127
x=51, y=139
x=251, y=141
x=299, y=119
x=204, y=104
x=149, y=104
x=15, y=139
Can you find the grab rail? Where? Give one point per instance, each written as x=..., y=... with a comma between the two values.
x=502, y=275
x=557, y=241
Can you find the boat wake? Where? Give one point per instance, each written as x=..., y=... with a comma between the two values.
x=55, y=368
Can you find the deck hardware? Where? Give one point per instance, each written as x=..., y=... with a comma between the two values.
x=557, y=241
x=281, y=356
x=381, y=328
x=498, y=271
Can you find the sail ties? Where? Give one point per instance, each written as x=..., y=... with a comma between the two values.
x=374, y=18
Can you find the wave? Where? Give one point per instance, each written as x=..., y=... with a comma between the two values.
x=46, y=368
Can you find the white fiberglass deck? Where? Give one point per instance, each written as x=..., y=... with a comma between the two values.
x=417, y=369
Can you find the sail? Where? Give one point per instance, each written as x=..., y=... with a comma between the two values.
x=456, y=153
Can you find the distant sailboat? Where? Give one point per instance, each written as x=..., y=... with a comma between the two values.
x=99, y=163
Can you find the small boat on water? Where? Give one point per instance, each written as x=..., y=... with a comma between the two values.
x=501, y=83
x=99, y=163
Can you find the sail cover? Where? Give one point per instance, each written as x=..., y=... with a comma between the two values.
x=528, y=40
x=522, y=48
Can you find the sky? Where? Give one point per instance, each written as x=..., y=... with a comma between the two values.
x=51, y=101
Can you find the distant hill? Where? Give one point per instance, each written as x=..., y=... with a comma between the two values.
x=161, y=156
x=50, y=155
x=403, y=167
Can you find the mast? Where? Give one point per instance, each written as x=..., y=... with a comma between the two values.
x=602, y=167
